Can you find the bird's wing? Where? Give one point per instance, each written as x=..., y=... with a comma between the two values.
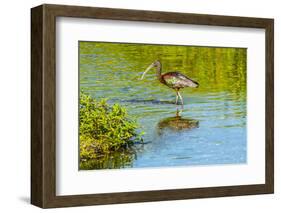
x=178, y=80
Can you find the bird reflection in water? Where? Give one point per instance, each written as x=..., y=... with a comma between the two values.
x=176, y=123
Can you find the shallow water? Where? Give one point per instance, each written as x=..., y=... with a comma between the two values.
x=211, y=129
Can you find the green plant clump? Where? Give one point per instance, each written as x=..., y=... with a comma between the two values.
x=104, y=128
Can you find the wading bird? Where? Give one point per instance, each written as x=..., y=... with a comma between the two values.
x=174, y=80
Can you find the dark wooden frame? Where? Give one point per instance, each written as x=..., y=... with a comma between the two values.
x=43, y=105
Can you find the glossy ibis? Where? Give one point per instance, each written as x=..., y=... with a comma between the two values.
x=174, y=80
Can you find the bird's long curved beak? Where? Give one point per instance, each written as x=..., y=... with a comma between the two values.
x=147, y=69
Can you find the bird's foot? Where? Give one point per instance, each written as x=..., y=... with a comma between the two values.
x=178, y=112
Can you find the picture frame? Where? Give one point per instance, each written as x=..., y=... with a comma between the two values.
x=43, y=105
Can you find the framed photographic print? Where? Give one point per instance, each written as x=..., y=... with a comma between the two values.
x=136, y=106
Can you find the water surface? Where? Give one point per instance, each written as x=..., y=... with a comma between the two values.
x=211, y=129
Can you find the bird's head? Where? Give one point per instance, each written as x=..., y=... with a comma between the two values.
x=156, y=63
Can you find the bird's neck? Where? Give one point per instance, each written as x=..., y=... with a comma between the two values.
x=158, y=71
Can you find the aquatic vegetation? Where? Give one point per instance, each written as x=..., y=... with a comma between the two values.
x=113, y=160
x=104, y=128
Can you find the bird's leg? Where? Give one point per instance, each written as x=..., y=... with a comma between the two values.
x=180, y=98
x=177, y=98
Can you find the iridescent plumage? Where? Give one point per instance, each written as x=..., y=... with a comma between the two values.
x=174, y=80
